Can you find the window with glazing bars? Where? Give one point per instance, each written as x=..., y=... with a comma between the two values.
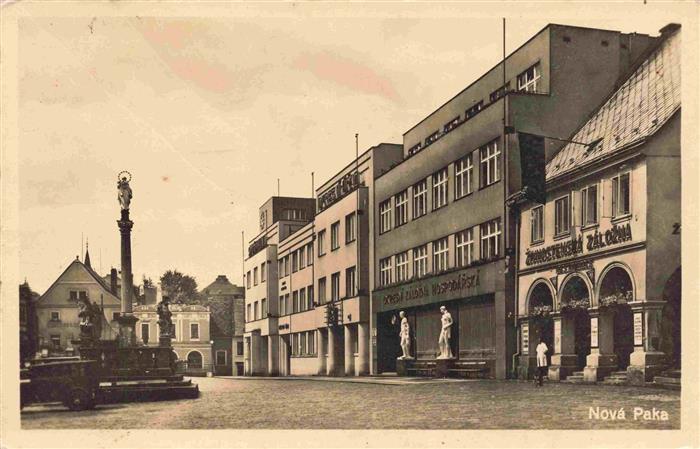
x=589, y=205
x=440, y=188
x=385, y=267
x=385, y=216
x=440, y=255
x=464, y=247
x=420, y=198
x=402, y=266
x=420, y=261
x=537, y=224
x=528, y=81
x=490, y=171
x=463, y=176
x=490, y=237
x=401, y=209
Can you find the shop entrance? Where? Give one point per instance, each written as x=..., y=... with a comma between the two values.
x=541, y=304
x=616, y=291
x=388, y=343
x=671, y=320
x=575, y=300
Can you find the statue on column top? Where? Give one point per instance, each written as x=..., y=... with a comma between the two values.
x=125, y=193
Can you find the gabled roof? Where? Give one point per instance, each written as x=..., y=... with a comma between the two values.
x=222, y=286
x=95, y=276
x=637, y=110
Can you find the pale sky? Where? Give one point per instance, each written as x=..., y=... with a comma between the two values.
x=207, y=114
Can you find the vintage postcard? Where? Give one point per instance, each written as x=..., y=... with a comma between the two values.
x=349, y=224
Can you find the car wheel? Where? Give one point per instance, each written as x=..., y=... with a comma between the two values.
x=79, y=399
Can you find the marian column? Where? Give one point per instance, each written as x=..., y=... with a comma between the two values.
x=127, y=321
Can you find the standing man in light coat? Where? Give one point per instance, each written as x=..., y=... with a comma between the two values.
x=541, y=351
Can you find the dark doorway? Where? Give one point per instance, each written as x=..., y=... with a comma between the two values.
x=575, y=302
x=671, y=320
x=616, y=290
x=582, y=337
x=388, y=343
x=541, y=305
x=623, y=335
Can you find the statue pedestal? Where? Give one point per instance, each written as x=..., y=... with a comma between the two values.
x=443, y=367
x=165, y=340
x=402, y=366
x=127, y=330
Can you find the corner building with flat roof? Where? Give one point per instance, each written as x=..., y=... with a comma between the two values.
x=279, y=217
x=443, y=233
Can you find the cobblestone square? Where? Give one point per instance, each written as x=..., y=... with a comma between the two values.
x=230, y=403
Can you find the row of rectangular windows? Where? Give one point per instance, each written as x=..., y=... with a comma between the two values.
x=301, y=300
x=303, y=343
x=254, y=279
x=300, y=259
x=257, y=310
x=527, y=81
x=489, y=174
x=395, y=268
x=350, y=234
x=620, y=194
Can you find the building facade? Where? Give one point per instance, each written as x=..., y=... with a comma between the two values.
x=27, y=323
x=57, y=309
x=279, y=217
x=599, y=261
x=226, y=303
x=444, y=234
x=191, y=339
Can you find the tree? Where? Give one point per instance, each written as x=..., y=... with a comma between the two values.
x=147, y=282
x=180, y=288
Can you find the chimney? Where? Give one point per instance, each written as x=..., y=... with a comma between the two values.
x=113, y=281
x=150, y=295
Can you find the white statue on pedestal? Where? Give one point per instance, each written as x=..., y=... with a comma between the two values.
x=405, y=335
x=125, y=193
x=445, y=335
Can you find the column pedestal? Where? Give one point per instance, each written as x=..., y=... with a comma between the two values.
x=564, y=359
x=331, y=369
x=602, y=360
x=402, y=366
x=647, y=360
x=363, y=348
x=127, y=330
x=349, y=350
x=443, y=366
x=322, y=347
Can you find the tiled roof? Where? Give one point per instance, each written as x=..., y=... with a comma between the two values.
x=637, y=110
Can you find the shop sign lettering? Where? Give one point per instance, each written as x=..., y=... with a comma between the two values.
x=613, y=236
x=525, y=345
x=257, y=246
x=597, y=240
x=554, y=252
x=461, y=282
x=594, y=332
x=340, y=189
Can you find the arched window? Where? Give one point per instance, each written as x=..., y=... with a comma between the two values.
x=194, y=359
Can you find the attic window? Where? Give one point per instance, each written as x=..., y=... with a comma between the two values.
x=566, y=39
x=604, y=43
x=594, y=145
x=623, y=46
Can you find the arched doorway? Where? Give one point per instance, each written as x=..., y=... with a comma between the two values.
x=575, y=301
x=540, y=306
x=194, y=360
x=671, y=319
x=615, y=292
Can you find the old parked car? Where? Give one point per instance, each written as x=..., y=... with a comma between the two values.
x=72, y=382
